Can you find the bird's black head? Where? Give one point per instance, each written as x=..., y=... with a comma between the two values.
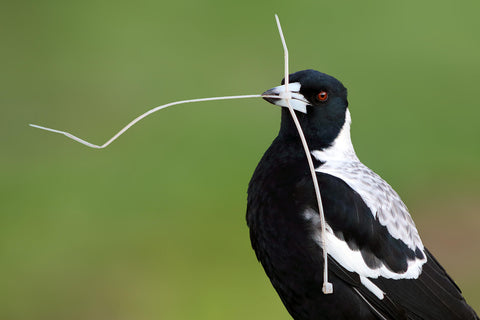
x=320, y=102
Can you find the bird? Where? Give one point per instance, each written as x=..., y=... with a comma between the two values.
x=377, y=262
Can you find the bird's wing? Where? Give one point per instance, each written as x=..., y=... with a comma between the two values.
x=384, y=270
x=433, y=295
x=384, y=203
x=385, y=308
x=356, y=238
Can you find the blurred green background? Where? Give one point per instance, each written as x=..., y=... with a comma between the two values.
x=153, y=227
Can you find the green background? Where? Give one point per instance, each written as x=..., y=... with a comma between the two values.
x=153, y=227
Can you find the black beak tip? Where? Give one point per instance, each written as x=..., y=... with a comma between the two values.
x=269, y=93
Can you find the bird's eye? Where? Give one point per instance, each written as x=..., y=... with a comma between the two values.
x=322, y=96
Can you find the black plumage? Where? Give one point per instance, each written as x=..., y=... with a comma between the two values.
x=377, y=263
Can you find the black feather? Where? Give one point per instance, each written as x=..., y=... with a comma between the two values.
x=434, y=295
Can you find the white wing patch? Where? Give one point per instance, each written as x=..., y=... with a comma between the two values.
x=372, y=287
x=352, y=260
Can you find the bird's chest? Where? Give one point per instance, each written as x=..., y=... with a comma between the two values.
x=279, y=232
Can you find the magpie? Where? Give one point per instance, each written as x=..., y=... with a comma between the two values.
x=377, y=263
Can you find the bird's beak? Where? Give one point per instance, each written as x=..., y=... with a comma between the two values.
x=278, y=96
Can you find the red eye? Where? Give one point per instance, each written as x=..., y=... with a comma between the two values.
x=322, y=95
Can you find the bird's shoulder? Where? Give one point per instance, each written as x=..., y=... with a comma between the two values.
x=382, y=200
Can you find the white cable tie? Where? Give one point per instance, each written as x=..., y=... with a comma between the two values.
x=327, y=287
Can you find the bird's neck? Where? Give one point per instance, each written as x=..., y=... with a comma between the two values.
x=326, y=142
x=341, y=148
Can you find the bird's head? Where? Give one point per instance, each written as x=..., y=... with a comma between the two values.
x=320, y=102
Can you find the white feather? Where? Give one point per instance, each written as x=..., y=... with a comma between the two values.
x=352, y=260
x=372, y=287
